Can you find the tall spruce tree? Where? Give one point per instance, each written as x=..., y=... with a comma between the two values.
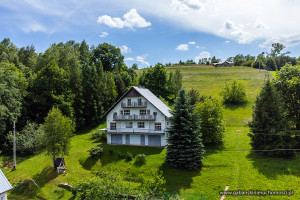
x=269, y=127
x=185, y=149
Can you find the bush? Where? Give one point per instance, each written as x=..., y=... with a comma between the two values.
x=120, y=154
x=129, y=156
x=99, y=135
x=140, y=159
x=234, y=93
x=96, y=152
x=111, y=152
x=212, y=123
x=28, y=140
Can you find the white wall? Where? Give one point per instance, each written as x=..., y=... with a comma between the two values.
x=3, y=196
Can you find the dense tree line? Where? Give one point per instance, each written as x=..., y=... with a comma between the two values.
x=160, y=83
x=79, y=80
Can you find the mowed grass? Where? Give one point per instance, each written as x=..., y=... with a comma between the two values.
x=227, y=165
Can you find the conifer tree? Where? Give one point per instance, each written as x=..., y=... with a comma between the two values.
x=185, y=148
x=269, y=127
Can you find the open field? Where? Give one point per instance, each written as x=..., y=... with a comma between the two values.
x=240, y=170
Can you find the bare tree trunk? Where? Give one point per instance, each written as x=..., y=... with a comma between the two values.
x=53, y=156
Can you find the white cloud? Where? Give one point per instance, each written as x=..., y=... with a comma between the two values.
x=185, y=6
x=142, y=60
x=203, y=54
x=227, y=41
x=182, y=47
x=129, y=59
x=130, y=19
x=125, y=49
x=192, y=43
x=288, y=40
x=33, y=26
x=103, y=34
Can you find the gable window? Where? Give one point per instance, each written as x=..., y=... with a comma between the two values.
x=157, y=126
x=154, y=113
x=128, y=124
x=142, y=112
x=113, y=126
x=121, y=112
x=126, y=112
x=139, y=102
x=148, y=112
x=141, y=124
x=115, y=113
x=129, y=102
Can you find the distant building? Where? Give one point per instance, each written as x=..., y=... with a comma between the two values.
x=223, y=64
x=4, y=186
x=138, y=118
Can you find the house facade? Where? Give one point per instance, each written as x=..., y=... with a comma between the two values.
x=223, y=64
x=138, y=118
x=4, y=186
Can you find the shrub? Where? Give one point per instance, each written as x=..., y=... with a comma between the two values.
x=140, y=159
x=120, y=154
x=129, y=156
x=28, y=140
x=99, y=135
x=234, y=93
x=96, y=152
x=212, y=123
x=111, y=152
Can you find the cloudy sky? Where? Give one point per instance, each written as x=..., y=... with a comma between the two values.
x=154, y=31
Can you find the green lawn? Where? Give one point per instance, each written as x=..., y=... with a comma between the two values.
x=242, y=170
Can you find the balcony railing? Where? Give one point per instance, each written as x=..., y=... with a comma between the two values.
x=134, y=105
x=136, y=131
x=134, y=117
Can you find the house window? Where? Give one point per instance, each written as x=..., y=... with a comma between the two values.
x=139, y=102
x=154, y=113
x=113, y=126
x=167, y=123
x=121, y=112
x=141, y=124
x=115, y=113
x=142, y=112
x=157, y=126
x=148, y=112
x=126, y=112
x=129, y=102
x=128, y=124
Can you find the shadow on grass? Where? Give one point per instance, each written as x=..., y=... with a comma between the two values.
x=272, y=167
x=177, y=178
x=112, y=152
x=46, y=175
x=234, y=107
x=213, y=149
x=88, y=163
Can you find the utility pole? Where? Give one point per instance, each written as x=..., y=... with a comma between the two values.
x=14, y=147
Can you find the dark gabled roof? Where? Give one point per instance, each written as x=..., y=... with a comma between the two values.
x=150, y=97
x=4, y=184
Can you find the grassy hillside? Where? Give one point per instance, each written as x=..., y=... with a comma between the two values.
x=240, y=170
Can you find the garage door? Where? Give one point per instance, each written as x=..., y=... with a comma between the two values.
x=116, y=139
x=154, y=140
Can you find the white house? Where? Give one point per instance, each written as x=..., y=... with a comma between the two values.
x=4, y=186
x=138, y=118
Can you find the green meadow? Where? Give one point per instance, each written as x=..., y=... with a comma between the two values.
x=231, y=165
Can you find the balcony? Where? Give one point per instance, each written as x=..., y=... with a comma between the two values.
x=134, y=105
x=134, y=117
x=136, y=131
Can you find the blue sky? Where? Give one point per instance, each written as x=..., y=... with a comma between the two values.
x=155, y=31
